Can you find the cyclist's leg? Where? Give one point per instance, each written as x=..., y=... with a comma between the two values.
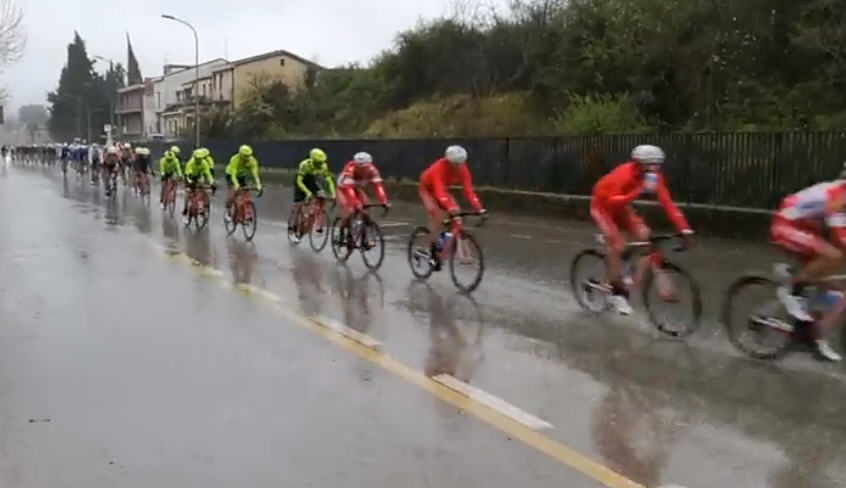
x=347, y=202
x=434, y=214
x=614, y=243
x=189, y=189
x=818, y=257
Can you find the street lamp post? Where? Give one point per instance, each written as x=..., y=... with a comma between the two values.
x=196, y=77
x=111, y=96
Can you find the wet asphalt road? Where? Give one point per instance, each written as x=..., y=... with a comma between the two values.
x=122, y=365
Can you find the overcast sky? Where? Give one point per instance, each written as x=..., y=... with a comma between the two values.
x=331, y=31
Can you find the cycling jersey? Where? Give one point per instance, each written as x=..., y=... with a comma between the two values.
x=626, y=183
x=196, y=169
x=309, y=171
x=351, y=182
x=170, y=166
x=435, y=180
x=799, y=223
x=111, y=160
x=237, y=170
x=141, y=163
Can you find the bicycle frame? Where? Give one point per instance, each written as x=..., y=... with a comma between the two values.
x=170, y=191
x=198, y=199
x=242, y=198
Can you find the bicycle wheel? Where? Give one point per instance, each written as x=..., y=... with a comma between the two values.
x=372, y=246
x=466, y=262
x=588, y=281
x=418, y=253
x=756, y=322
x=200, y=219
x=340, y=247
x=230, y=220
x=171, y=206
x=250, y=221
x=674, y=322
x=319, y=235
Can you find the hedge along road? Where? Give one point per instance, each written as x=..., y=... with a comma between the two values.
x=135, y=353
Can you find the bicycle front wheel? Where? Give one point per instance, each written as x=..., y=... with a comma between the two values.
x=372, y=246
x=250, y=222
x=587, y=279
x=340, y=247
x=756, y=322
x=466, y=263
x=230, y=220
x=676, y=311
x=319, y=232
x=418, y=253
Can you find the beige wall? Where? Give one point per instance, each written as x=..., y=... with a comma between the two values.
x=222, y=85
x=292, y=73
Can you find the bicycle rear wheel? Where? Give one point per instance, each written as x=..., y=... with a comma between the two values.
x=686, y=312
x=588, y=281
x=201, y=218
x=250, y=222
x=340, y=247
x=756, y=322
x=466, y=262
x=319, y=232
x=372, y=246
x=418, y=253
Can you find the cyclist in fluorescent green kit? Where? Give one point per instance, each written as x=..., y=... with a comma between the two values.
x=197, y=169
x=169, y=168
x=240, y=166
x=306, y=181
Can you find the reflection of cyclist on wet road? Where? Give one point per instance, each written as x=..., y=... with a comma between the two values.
x=308, y=276
x=631, y=427
x=242, y=260
x=455, y=332
x=360, y=308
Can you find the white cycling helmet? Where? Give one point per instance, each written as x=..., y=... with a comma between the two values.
x=648, y=154
x=362, y=158
x=111, y=150
x=456, y=155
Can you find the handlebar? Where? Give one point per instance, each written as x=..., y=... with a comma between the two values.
x=482, y=218
x=681, y=244
x=372, y=205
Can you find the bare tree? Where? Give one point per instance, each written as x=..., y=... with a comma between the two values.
x=12, y=35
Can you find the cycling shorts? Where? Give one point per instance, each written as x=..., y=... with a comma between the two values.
x=613, y=221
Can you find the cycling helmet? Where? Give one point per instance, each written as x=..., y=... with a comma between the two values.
x=362, y=158
x=317, y=155
x=127, y=145
x=111, y=150
x=142, y=151
x=174, y=150
x=648, y=154
x=245, y=151
x=456, y=155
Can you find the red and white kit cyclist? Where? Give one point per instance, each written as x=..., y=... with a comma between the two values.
x=610, y=209
x=446, y=171
x=356, y=175
x=798, y=227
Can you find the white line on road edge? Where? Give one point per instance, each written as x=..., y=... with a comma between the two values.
x=352, y=334
x=493, y=402
x=523, y=237
x=266, y=294
x=386, y=225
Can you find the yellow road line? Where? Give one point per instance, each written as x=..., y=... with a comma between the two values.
x=486, y=413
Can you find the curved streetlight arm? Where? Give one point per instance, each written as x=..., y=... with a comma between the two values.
x=196, y=76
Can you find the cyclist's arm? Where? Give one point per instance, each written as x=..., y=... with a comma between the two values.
x=439, y=191
x=379, y=187
x=254, y=169
x=206, y=168
x=162, y=166
x=469, y=192
x=232, y=171
x=178, y=167
x=673, y=212
x=330, y=180
x=300, y=174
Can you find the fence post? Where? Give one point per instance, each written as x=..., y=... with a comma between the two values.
x=507, y=162
x=688, y=148
x=776, y=177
